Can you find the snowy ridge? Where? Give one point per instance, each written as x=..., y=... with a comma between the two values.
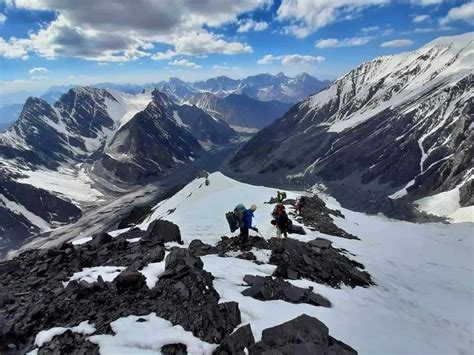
x=394, y=80
x=398, y=126
x=419, y=270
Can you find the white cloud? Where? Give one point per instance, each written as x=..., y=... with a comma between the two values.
x=346, y=42
x=397, y=43
x=289, y=59
x=370, y=29
x=249, y=24
x=461, y=13
x=420, y=18
x=198, y=43
x=224, y=67
x=424, y=30
x=164, y=55
x=38, y=77
x=426, y=2
x=2, y=18
x=307, y=16
x=14, y=48
x=184, y=63
x=267, y=59
x=37, y=70
x=95, y=30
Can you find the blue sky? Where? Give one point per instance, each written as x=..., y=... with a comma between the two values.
x=57, y=42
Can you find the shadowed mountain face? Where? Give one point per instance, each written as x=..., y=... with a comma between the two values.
x=396, y=125
x=240, y=110
x=53, y=156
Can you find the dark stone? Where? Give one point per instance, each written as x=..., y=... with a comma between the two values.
x=163, y=231
x=236, y=342
x=180, y=257
x=69, y=343
x=174, y=349
x=129, y=280
x=101, y=239
x=268, y=288
x=320, y=243
x=247, y=256
x=317, y=261
x=8, y=266
x=302, y=335
x=198, y=248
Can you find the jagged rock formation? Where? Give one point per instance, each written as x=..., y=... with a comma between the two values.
x=38, y=283
x=396, y=125
x=262, y=87
x=87, y=136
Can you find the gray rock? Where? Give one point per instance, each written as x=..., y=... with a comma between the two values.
x=163, y=231
x=235, y=343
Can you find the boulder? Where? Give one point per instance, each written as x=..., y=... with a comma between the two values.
x=101, y=239
x=237, y=342
x=302, y=335
x=163, y=231
x=182, y=257
x=268, y=288
x=198, y=248
x=69, y=343
x=317, y=261
x=174, y=349
x=129, y=280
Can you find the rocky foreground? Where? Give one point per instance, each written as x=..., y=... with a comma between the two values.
x=37, y=293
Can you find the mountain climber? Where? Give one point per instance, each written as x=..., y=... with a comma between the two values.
x=246, y=223
x=281, y=196
x=299, y=205
x=281, y=220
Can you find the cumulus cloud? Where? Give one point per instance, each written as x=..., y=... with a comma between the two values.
x=14, y=48
x=164, y=55
x=249, y=24
x=346, y=42
x=3, y=18
x=420, y=18
x=37, y=70
x=184, y=63
x=289, y=59
x=461, y=13
x=94, y=30
x=307, y=16
x=397, y=43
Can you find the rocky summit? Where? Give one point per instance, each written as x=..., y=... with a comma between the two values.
x=39, y=292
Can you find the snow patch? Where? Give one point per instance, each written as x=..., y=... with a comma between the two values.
x=133, y=337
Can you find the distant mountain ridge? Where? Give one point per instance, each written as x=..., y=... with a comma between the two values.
x=240, y=110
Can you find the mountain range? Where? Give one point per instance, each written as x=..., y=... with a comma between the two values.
x=58, y=159
x=399, y=126
x=392, y=133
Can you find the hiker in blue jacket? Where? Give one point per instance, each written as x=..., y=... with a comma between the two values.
x=247, y=223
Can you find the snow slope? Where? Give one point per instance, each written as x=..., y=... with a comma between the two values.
x=422, y=302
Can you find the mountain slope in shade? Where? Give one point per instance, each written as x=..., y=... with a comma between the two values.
x=399, y=125
x=152, y=143
x=47, y=157
x=240, y=110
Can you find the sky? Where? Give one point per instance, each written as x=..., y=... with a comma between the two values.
x=61, y=42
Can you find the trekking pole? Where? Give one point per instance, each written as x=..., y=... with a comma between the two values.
x=259, y=233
